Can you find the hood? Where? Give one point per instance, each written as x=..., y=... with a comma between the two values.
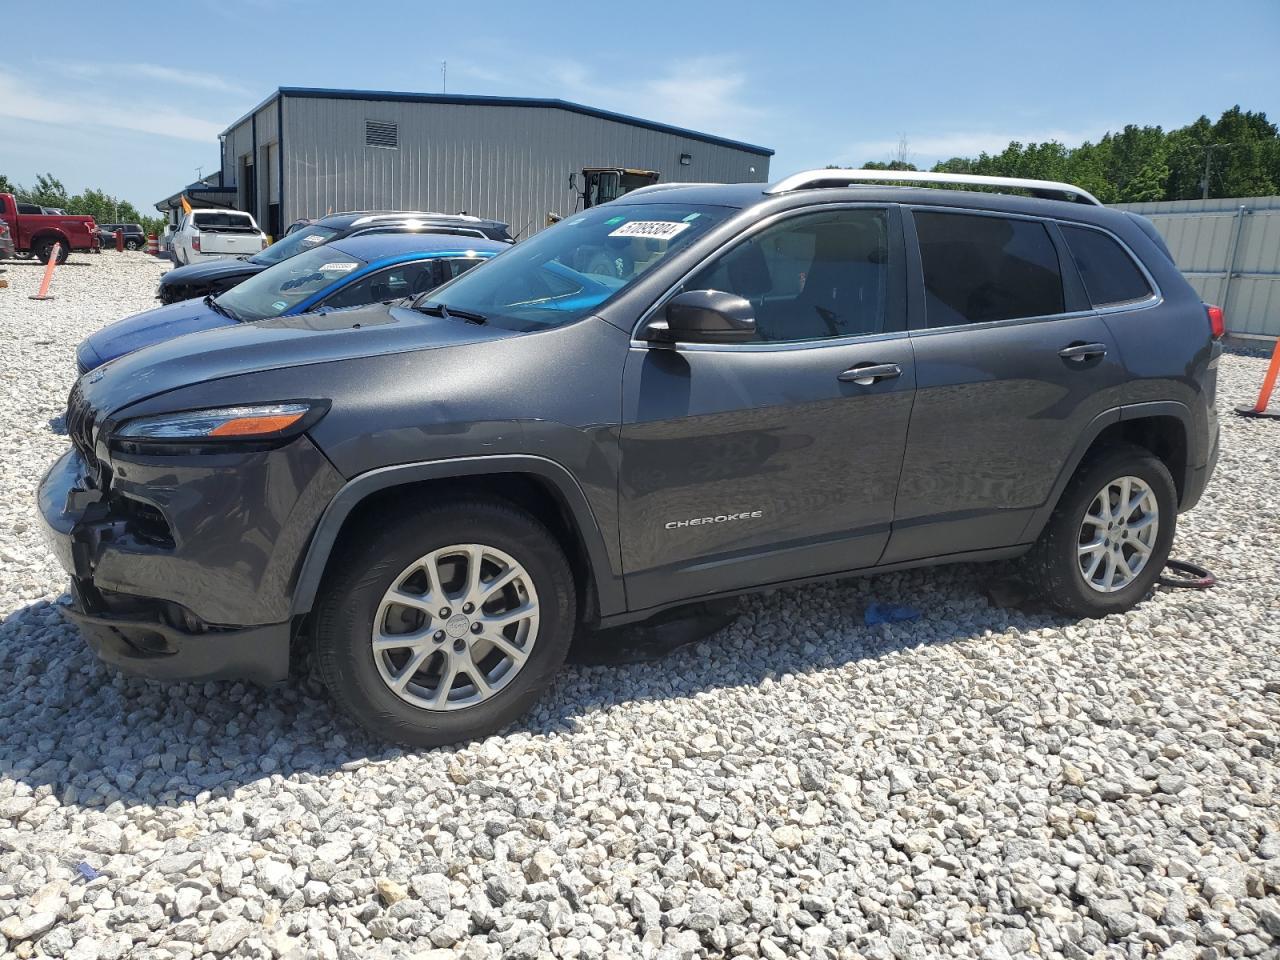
x=210, y=270
x=241, y=348
x=144, y=329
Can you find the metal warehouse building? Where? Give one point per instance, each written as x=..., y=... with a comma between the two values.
x=306, y=152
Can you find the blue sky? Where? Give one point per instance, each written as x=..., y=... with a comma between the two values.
x=130, y=97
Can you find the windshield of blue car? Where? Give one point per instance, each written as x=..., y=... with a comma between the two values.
x=566, y=272
x=303, y=239
x=279, y=288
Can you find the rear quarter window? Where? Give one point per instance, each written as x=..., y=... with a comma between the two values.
x=1109, y=274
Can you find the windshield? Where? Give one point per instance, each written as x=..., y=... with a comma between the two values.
x=566, y=272
x=285, y=285
x=301, y=239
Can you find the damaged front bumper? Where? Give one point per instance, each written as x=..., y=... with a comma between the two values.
x=162, y=585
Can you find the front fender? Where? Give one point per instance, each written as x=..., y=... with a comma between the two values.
x=608, y=582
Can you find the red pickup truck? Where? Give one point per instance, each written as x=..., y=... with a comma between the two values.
x=35, y=232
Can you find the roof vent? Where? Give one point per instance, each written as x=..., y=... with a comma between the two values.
x=381, y=133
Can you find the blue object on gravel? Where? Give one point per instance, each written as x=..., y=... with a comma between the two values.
x=87, y=871
x=888, y=613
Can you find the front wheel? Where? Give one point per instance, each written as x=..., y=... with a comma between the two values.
x=1110, y=535
x=445, y=624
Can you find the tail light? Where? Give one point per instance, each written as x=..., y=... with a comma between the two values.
x=1217, y=321
x=195, y=244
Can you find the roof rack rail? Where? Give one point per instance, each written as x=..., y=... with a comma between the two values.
x=656, y=187
x=1045, y=189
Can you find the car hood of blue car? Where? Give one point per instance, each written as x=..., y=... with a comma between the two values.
x=146, y=328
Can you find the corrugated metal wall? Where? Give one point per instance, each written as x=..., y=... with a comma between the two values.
x=1230, y=252
x=509, y=163
x=239, y=144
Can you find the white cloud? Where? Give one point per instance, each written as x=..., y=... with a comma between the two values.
x=707, y=93
x=22, y=101
x=130, y=72
x=965, y=143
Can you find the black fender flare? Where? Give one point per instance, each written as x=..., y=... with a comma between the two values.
x=1131, y=411
x=610, y=594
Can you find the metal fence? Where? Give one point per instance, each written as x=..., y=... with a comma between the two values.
x=1230, y=251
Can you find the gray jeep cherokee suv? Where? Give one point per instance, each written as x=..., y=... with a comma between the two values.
x=692, y=391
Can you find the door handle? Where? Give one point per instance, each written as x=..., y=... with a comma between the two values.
x=1080, y=352
x=865, y=374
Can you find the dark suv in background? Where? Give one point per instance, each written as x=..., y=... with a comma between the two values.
x=134, y=236
x=689, y=392
x=214, y=277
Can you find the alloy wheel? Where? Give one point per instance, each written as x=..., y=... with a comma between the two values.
x=455, y=627
x=1118, y=534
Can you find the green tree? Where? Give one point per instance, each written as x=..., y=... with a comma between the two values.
x=1241, y=151
x=48, y=192
x=889, y=165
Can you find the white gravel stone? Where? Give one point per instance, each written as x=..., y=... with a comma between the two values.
x=980, y=782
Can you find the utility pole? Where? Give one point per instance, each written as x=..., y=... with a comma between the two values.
x=1208, y=153
x=444, y=76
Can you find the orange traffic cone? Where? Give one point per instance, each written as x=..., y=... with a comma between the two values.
x=1259, y=409
x=44, y=294
x=153, y=245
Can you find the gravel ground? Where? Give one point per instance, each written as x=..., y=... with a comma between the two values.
x=981, y=782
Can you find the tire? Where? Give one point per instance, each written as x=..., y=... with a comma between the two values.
x=1057, y=567
x=43, y=249
x=354, y=600
x=131, y=245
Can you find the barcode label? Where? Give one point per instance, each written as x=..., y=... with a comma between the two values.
x=650, y=229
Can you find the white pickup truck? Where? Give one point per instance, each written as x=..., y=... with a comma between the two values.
x=215, y=234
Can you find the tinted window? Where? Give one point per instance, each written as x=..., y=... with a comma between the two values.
x=810, y=277
x=1109, y=273
x=285, y=285
x=29, y=208
x=566, y=272
x=457, y=265
x=222, y=221
x=978, y=269
x=294, y=243
x=394, y=283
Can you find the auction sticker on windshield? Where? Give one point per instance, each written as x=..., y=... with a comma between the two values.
x=651, y=229
x=339, y=267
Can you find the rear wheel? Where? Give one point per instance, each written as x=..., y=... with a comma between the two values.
x=446, y=624
x=1110, y=535
x=132, y=245
x=43, y=250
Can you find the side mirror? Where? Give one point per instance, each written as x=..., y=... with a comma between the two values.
x=704, y=316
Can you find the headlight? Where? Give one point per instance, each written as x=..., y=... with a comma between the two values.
x=268, y=422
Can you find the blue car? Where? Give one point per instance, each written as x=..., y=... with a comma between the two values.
x=345, y=273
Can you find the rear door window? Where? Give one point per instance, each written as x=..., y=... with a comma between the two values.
x=978, y=269
x=1110, y=276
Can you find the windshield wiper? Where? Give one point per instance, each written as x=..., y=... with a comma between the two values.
x=216, y=307
x=440, y=310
